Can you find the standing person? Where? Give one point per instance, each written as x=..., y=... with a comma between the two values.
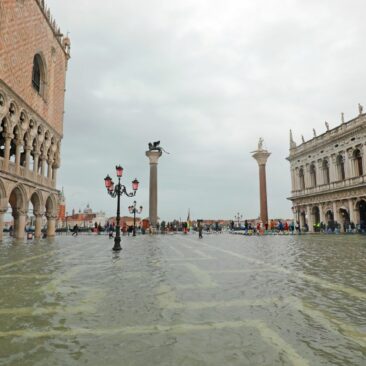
x=200, y=236
x=75, y=230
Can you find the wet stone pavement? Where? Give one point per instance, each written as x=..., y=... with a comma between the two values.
x=177, y=300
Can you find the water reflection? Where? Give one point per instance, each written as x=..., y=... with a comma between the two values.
x=169, y=300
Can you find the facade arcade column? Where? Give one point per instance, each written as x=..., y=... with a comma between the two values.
x=293, y=183
x=8, y=137
x=310, y=222
x=352, y=213
x=363, y=151
x=43, y=164
x=49, y=170
x=35, y=162
x=335, y=213
x=38, y=224
x=2, y=213
x=350, y=163
x=18, y=146
x=321, y=213
x=51, y=224
x=20, y=217
x=333, y=168
x=28, y=150
x=319, y=172
x=307, y=176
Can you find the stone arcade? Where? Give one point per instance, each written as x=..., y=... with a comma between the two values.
x=33, y=62
x=328, y=175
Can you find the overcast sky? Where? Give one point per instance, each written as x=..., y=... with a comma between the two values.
x=207, y=78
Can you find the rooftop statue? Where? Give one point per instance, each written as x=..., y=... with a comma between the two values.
x=327, y=125
x=360, y=108
x=314, y=132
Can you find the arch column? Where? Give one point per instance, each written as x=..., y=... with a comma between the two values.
x=352, y=213
x=335, y=213
x=310, y=222
x=2, y=213
x=50, y=170
x=36, y=162
x=51, y=225
x=38, y=225
x=321, y=213
x=8, y=137
x=18, y=146
x=19, y=223
x=363, y=152
x=28, y=150
x=43, y=165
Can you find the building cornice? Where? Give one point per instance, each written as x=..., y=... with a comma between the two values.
x=329, y=137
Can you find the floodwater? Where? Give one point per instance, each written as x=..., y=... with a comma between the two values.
x=177, y=300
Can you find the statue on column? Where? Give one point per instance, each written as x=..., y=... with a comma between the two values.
x=260, y=143
x=155, y=146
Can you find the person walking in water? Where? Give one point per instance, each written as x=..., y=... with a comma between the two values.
x=75, y=230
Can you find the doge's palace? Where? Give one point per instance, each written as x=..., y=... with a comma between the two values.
x=328, y=175
x=33, y=62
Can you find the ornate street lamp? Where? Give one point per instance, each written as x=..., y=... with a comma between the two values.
x=134, y=210
x=118, y=191
x=238, y=217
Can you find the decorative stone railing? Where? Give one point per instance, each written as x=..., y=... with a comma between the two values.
x=27, y=174
x=347, y=183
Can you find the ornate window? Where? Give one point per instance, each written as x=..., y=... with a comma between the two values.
x=340, y=167
x=38, y=74
x=326, y=171
x=358, y=162
x=302, y=178
x=313, y=175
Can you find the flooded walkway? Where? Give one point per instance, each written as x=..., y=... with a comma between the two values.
x=177, y=300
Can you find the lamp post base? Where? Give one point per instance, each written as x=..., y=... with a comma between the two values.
x=117, y=244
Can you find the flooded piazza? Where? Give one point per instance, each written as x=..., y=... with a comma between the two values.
x=177, y=300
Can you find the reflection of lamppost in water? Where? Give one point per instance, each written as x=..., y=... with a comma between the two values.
x=238, y=217
x=133, y=210
x=118, y=191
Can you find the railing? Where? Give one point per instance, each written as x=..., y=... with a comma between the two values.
x=28, y=174
x=347, y=183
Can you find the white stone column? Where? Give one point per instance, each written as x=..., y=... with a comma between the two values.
x=293, y=179
x=38, y=225
x=36, y=162
x=363, y=152
x=350, y=164
x=321, y=213
x=18, y=146
x=19, y=224
x=335, y=213
x=319, y=172
x=352, y=213
x=28, y=150
x=49, y=171
x=333, y=168
x=307, y=176
x=51, y=225
x=310, y=219
x=8, y=137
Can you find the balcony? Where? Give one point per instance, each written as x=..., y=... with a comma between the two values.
x=331, y=187
x=24, y=174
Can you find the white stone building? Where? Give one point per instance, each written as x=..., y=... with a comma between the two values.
x=328, y=175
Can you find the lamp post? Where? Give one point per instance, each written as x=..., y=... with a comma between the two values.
x=118, y=191
x=238, y=217
x=134, y=210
